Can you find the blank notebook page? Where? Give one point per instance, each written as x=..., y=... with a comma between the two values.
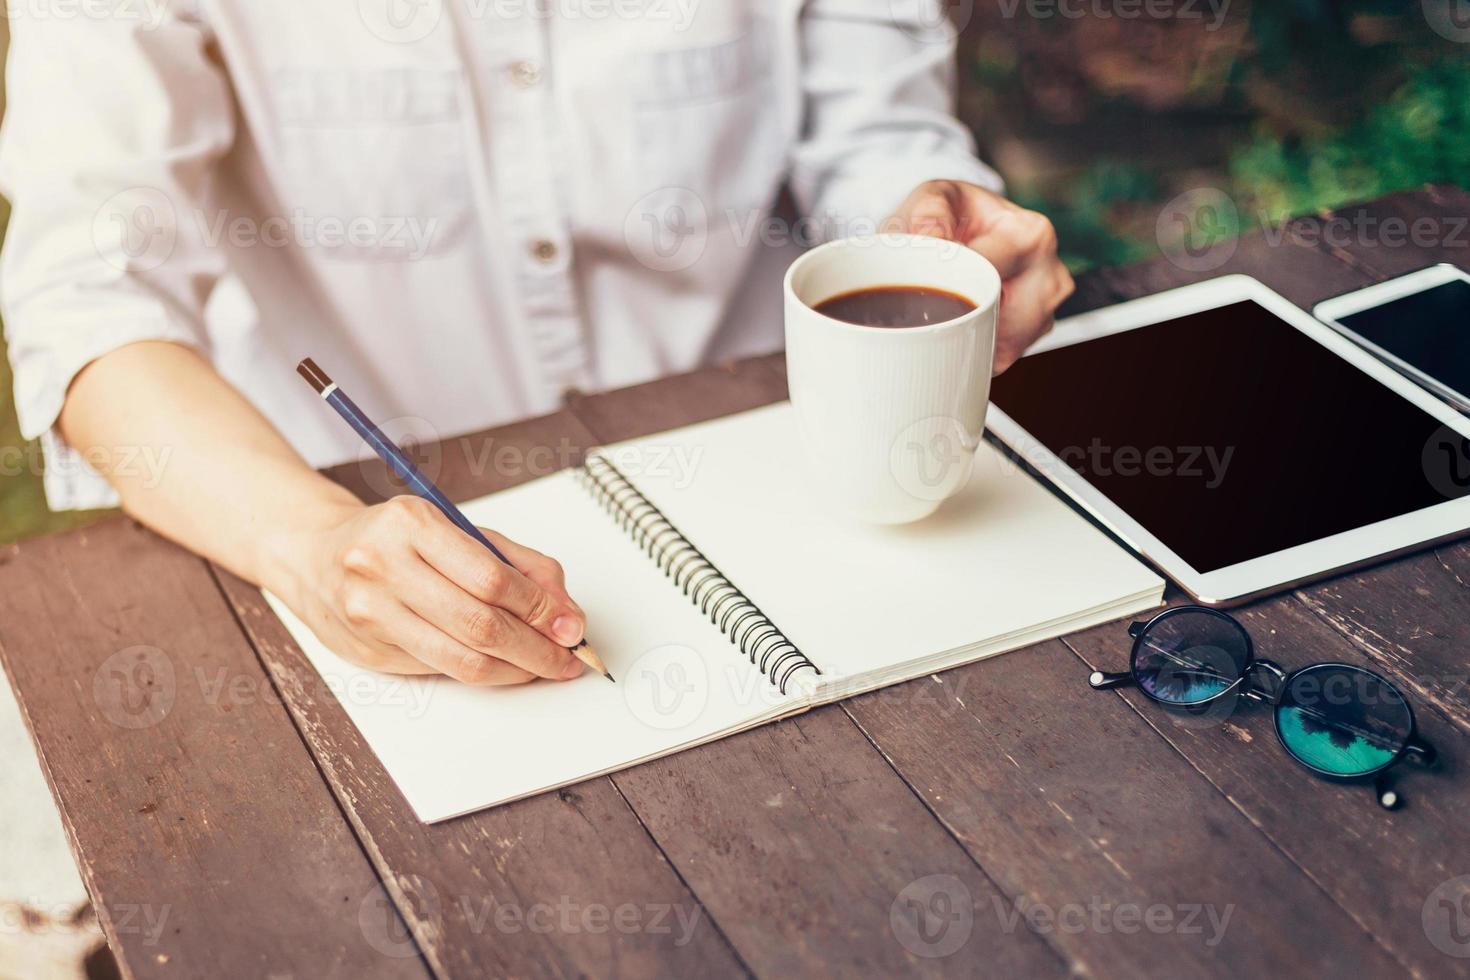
x=1001, y=559
x=451, y=748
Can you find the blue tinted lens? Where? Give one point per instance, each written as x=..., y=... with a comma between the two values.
x=1190, y=657
x=1342, y=720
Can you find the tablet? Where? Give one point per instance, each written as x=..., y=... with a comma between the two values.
x=1235, y=442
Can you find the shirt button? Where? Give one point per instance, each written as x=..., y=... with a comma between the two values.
x=544, y=251
x=525, y=73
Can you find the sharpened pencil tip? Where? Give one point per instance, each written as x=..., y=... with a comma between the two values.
x=609, y=677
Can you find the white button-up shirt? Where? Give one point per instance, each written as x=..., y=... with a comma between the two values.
x=460, y=208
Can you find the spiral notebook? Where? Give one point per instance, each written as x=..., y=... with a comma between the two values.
x=722, y=595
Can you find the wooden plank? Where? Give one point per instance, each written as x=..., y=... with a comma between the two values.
x=475, y=464
x=1075, y=807
x=1383, y=868
x=1412, y=619
x=1323, y=255
x=816, y=859
x=206, y=836
x=1295, y=271
x=562, y=884
x=684, y=399
x=1396, y=234
x=797, y=836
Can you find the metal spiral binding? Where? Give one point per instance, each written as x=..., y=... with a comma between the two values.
x=716, y=596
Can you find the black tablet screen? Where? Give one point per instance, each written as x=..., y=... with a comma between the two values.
x=1231, y=435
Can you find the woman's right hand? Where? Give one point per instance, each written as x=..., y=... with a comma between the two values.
x=394, y=587
x=397, y=587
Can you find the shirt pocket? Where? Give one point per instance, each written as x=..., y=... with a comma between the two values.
x=374, y=162
x=706, y=119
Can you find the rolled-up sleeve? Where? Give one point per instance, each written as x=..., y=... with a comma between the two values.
x=878, y=83
x=112, y=130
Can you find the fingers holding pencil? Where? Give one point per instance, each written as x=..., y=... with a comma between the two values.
x=525, y=584
x=375, y=599
x=548, y=573
x=531, y=586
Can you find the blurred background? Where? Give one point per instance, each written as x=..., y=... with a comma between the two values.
x=1099, y=111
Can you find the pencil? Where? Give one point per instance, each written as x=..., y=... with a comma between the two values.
x=421, y=485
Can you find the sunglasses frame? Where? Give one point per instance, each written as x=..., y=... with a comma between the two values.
x=1414, y=746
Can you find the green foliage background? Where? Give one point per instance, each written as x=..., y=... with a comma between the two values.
x=1420, y=134
x=1349, y=101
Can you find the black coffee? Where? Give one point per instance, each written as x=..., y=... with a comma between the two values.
x=895, y=306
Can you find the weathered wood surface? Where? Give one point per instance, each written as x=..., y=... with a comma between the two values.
x=206, y=836
x=1040, y=828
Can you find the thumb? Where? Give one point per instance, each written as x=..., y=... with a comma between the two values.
x=926, y=211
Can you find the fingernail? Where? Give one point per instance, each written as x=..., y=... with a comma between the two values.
x=567, y=630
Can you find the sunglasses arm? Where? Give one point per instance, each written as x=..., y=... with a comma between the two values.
x=1422, y=752
x=1102, y=680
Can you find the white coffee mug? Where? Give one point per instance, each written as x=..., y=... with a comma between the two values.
x=890, y=418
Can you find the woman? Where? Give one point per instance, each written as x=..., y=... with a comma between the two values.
x=466, y=207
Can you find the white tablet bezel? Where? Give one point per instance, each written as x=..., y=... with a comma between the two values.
x=1331, y=311
x=1283, y=569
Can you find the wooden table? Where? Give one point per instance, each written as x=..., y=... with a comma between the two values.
x=998, y=820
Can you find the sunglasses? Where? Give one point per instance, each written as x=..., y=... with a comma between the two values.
x=1343, y=723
